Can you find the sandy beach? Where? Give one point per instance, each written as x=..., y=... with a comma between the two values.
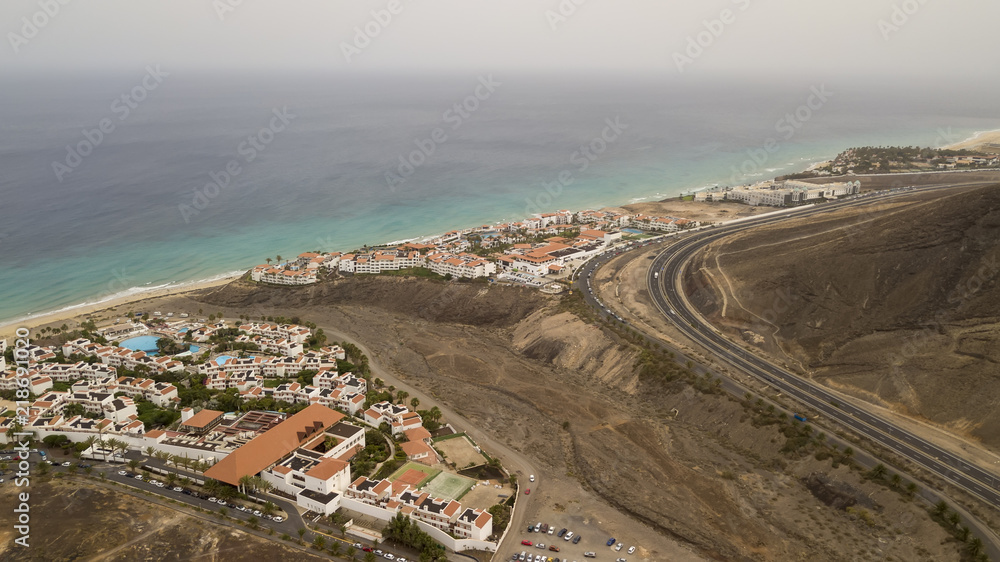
x=978, y=141
x=74, y=316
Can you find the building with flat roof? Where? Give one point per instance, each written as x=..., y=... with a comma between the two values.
x=200, y=423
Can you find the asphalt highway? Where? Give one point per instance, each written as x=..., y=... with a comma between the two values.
x=665, y=281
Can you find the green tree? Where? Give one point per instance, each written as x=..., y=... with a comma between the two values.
x=301, y=530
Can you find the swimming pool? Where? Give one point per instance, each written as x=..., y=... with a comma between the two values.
x=141, y=343
x=148, y=344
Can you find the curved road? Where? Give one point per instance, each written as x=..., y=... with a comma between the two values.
x=666, y=290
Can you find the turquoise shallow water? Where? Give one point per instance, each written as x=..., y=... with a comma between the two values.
x=113, y=226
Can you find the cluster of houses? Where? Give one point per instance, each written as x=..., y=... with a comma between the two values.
x=305, y=456
x=384, y=499
x=781, y=193
x=452, y=252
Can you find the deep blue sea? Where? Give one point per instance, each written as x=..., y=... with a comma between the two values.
x=137, y=210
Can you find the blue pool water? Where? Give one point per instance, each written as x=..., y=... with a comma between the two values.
x=631, y=231
x=141, y=343
x=147, y=344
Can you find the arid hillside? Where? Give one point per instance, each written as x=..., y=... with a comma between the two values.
x=895, y=303
x=620, y=452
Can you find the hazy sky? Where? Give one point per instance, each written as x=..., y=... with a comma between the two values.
x=760, y=37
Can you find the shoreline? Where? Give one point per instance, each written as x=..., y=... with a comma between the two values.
x=78, y=311
x=977, y=139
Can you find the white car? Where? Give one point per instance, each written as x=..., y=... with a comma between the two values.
x=122, y=473
x=278, y=519
x=212, y=499
x=138, y=477
x=631, y=549
x=256, y=512
x=178, y=489
x=67, y=463
x=619, y=546
x=531, y=478
x=389, y=556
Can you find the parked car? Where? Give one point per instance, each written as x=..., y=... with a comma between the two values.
x=67, y=463
x=590, y=554
x=531, y=478
x=540, y=545
x=138, y=477
x=526, y=542
x=569, y=536
x=631, y=549
x=122, y=473
x=576, y=539
x=278, y=519
x=562, y=532
x=611, y=541
x=619, y=546
x=527, y=491
x=212, y=499
x=554, y=548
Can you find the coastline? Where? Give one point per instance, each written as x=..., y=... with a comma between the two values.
x=978, y=139
x=78, y=312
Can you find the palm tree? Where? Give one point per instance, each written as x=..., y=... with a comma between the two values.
x=351, y=551
x=268, y=508
x=940, y=508
x=171, y=479
x=245, y=481
x=414, y=402
x=369, y=557
x=150, y=451
x=277, y=258
x=975, y=547
x=268, y=260
x=133, y=465
x=335, y=548
x=302, y=533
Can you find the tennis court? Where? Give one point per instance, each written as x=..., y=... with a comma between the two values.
x=448, y=486
x=413, y=474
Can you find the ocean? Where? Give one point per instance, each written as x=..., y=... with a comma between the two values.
x=117, y=184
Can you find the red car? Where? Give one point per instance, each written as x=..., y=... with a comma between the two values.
x=366, y=549
x=526, y=543
x=528, y=491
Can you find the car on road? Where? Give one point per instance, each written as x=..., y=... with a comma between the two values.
x=389, y=556
x=67, y=463
x=256, y=512
x=122, y=473
x=631, y=549
x=212, y=499
x=611, y=541
x=138, y=477
x=278, y=519
x=178, y=489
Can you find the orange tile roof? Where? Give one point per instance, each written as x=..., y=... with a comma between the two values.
x=268, y=448
x=326, y=469
x=202, y=418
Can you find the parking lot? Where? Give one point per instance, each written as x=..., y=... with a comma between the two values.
x=589, y=533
